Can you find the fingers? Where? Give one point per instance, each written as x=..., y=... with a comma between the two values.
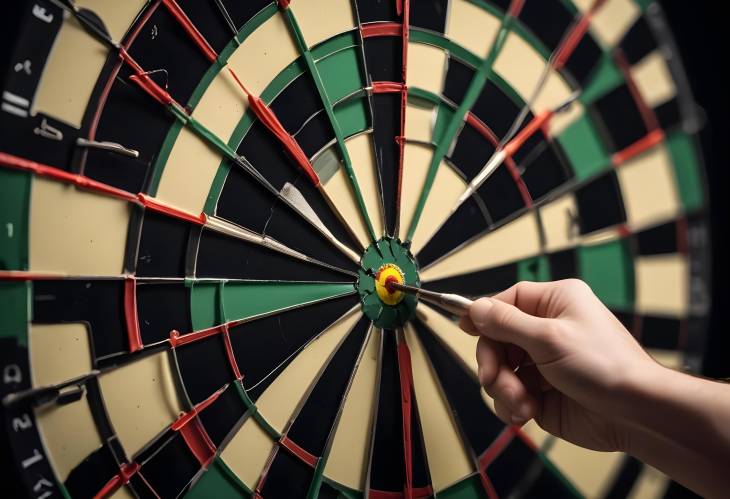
x=506, y=323
x=540, y=299
x=528, y=296
x=502, y=384
x=548, y=299
x=503, y=412
x=468, y=326
x=490, y=356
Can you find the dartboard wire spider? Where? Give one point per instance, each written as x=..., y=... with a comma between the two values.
x=211, y=222
x=472, y=93
x=269, y=118
x=515, y=138
x=288, y=195
x=557, y=59
x=572, y=186
x=304, y=50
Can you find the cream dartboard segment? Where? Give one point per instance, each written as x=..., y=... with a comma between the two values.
x=202, y=203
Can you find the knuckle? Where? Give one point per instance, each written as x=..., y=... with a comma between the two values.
x=576, y=285
x=483, y=299
x=553, y=332
x=522, y=287
x=503, y=316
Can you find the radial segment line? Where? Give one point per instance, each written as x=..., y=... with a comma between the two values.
x=177, y=338
x=557, y=60
x=566, y=188
x=405, y=376
x=337, y=328
x=404, y=8
x=269, y=119
x=232, y=230
x=209, y=222
x=354, y=313
x=150, y=87
x=378, y=161
x=416, y=337
x=647, y=142
x=374, y=414
x=444, y=449
x=329, y=109
x=229, y=21
x=299, y=350
x=316, y=483
x=482, y=74
x=509, y=144
x=316, y=462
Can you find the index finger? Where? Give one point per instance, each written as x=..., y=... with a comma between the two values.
x=530, y=297
x=468, y=326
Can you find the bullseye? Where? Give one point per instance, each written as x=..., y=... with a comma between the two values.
x=386, y=274
x=385, y=263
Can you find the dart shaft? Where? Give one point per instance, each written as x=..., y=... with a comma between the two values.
x=456, y=304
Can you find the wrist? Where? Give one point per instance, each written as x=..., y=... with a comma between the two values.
x=640, y=388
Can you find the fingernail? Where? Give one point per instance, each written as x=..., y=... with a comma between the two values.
x=479, y=310
x=480, y=375
x=517, y=420
x=523, y=412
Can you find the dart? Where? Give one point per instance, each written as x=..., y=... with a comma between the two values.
x=451, y=302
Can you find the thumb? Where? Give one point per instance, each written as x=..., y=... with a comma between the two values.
x=506, y=323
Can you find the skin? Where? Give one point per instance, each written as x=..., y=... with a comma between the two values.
x=554, y=353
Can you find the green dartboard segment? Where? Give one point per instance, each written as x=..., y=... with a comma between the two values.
x=216, y=303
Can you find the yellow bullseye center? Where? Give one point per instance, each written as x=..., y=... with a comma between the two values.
x=389, y=273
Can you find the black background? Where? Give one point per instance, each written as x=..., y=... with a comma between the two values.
x=702, y=41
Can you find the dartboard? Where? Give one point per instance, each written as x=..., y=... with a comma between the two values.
x=202, y=203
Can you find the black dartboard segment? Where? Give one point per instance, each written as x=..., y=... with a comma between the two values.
x=287, y=332
x=197, y=198
x=387, y=465
x=310, y=430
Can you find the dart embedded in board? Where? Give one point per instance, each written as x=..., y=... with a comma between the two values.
x=456, y=304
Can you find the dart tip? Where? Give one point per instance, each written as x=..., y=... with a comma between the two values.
x=390, y=284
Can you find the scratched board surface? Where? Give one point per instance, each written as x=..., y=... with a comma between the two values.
x=198, y=199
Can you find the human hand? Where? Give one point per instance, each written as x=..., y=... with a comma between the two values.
x=553, y=352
